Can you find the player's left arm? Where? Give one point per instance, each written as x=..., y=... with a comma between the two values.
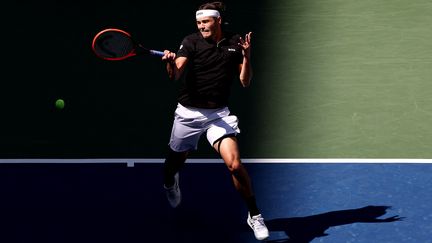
x=246, y=66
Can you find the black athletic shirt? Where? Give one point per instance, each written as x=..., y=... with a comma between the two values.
x=210, y=71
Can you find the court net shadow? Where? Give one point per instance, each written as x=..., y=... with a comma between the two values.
x=305, y=229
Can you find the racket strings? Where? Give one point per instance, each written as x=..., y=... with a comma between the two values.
x=114, y=45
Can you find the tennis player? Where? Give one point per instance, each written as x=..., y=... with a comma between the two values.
x=208, y=62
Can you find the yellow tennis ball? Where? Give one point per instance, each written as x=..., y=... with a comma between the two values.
x=59, y=104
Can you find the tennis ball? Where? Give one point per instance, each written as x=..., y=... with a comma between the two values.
x=59, y=104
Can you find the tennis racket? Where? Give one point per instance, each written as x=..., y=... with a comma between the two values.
x=116, y=44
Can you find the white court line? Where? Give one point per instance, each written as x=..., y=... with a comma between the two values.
x=131, y=161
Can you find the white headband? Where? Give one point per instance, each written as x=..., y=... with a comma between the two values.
x=207, y=13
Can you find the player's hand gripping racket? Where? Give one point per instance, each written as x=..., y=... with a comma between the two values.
x=116, y=44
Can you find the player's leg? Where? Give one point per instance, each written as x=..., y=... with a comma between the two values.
x=174, y=161
x=185, y=135
x=221, y=135
x=227, y=147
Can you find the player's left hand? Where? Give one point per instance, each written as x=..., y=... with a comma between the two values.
x=245, y=44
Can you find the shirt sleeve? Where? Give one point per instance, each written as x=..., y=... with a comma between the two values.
x=185, y=49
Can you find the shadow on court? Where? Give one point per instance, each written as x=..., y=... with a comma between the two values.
x=305, y=229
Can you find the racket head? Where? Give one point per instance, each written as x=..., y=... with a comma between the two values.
x=114, y=44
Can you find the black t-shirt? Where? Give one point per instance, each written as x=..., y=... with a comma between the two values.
x=210, y=71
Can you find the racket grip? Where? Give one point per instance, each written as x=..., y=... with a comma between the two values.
x=157, y=53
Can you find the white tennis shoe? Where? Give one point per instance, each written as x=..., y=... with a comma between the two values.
x=173, y=193
x=258, y=226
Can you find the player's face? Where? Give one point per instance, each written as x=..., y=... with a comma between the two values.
x=208, y=26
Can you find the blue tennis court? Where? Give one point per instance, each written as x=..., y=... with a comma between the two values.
x=301, y=202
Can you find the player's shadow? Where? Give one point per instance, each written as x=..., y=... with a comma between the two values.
x=305, y=229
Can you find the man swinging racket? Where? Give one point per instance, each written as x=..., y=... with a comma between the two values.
x=208, y=62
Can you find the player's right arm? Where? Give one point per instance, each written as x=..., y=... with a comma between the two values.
x=175, y=65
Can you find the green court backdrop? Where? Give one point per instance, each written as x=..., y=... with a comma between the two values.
x=347, y=79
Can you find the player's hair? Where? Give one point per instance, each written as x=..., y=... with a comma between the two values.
x=219, y=6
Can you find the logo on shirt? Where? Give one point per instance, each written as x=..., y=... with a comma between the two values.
x=231, y=49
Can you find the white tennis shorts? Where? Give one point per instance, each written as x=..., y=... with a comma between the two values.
x=190, y=123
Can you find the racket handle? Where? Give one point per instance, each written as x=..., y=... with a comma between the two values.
x=157, y=53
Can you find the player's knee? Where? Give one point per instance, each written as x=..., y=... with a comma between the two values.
x=173, y=163
x=176, y=157
x=234, y=166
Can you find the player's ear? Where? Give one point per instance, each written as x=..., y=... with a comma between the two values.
x=219, y=20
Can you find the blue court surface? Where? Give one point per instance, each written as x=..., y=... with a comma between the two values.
x=301, y=202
